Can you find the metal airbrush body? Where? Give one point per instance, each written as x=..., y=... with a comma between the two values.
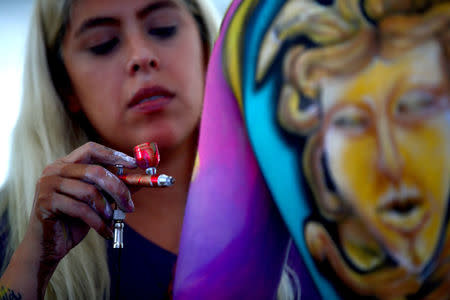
x=147, y=158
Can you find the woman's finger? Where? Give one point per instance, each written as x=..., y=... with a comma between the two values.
x=62, y=204
x=92, y=152
x=98, y=176
x=86, y=193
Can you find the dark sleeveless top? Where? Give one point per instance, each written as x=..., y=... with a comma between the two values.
x=146, y=270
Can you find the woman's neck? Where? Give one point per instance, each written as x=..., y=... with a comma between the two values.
x=159, y=212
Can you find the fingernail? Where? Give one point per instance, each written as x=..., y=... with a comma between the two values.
x=108, y=211
x=131, y=205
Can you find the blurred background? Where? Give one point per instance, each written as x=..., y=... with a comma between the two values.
x=14, y=19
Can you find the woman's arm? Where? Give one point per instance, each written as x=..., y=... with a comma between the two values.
x=22, y=275
x=69, y=200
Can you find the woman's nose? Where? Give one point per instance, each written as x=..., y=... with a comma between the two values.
x=390, y=162
x=141, y=57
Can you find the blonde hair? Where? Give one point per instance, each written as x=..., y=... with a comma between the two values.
x=46, y=132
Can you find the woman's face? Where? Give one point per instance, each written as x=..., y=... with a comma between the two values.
x=137, y=70
x=387, y=141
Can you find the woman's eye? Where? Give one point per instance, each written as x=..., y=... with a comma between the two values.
x=163, y=32
x=104, y=48
x=415, y=103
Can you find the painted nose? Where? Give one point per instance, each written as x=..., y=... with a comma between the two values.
x=390, y=162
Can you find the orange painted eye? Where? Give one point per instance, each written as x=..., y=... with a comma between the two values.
x=351, y=120
x=415, y=103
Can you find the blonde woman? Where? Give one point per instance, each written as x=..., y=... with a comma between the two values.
x=101, y=75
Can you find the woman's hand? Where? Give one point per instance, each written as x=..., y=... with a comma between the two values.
x=69, y=200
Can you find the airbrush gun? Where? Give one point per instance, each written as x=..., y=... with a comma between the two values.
x=147, y=158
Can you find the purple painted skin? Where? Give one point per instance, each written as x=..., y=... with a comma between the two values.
x=234, y=242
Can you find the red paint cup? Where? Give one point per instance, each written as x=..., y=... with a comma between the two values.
x=147, y=155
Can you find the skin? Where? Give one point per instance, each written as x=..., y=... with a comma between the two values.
x=143, y=55
x=397, y=129
x=102, y=61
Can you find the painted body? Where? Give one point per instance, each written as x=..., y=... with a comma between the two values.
x=353, y=98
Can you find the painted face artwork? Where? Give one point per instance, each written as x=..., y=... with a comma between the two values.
x=387, y=144
x=346, y=107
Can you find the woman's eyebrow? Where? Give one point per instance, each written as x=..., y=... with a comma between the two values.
x=94, y=22
x=155, y=6
x=99, y=21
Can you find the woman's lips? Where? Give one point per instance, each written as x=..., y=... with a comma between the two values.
x=148, y=100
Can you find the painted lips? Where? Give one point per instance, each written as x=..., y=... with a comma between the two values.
x=404, y=210
x=151, y=99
